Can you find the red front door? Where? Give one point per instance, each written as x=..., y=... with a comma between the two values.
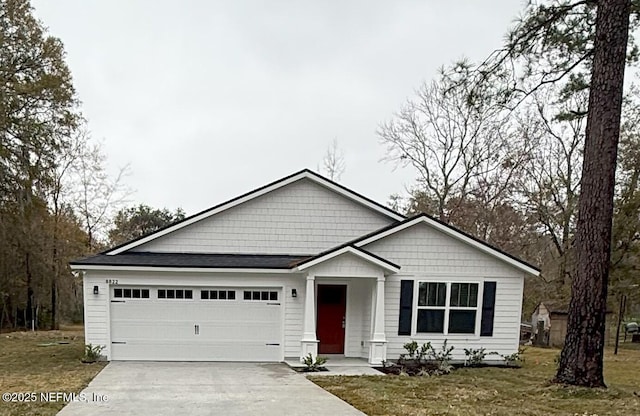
x=332, y=309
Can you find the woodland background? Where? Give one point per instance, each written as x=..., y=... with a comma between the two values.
x=496, y=147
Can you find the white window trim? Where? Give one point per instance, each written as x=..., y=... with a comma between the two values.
x=114, y=297
x=175, y=299
x=447, y=308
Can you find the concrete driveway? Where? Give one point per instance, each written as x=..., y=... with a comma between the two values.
x=172, y=388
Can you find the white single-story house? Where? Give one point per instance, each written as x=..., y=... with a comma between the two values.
x=301, y=265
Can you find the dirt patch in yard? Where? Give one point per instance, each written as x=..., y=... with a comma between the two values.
x=42, y=362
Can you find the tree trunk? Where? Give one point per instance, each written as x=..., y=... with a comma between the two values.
x=54, y=303
x=581, y=360
x=29, y=315
x=54, y=272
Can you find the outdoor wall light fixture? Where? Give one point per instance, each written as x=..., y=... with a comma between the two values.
x=294, y=293
x=95, y=290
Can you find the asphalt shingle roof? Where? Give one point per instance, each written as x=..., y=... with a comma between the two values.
x=145, y=259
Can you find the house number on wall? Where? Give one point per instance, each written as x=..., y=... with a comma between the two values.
x=112, y=281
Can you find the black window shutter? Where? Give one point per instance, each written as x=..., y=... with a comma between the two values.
x=488, y=308
x=406, y=307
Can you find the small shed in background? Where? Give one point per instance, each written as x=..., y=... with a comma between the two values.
x=551, y=318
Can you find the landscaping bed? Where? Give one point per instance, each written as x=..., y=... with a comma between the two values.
x=432, y=368
x=307, y=370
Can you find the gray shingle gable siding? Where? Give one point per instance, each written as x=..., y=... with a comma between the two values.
x=451, y=227
x=390, y=212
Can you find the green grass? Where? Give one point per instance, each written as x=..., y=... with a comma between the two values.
x=27, y=367
x=496, y=391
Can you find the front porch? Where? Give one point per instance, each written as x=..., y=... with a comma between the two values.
x=344, y=306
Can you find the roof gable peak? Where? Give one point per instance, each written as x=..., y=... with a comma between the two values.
x=448, y=229
x=278, y=184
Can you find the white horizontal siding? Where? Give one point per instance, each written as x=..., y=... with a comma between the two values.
x=294, y=316
x=301, y=218
x=96, y=312
x=427, y=254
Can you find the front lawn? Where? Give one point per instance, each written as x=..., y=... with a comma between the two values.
x=27, y=365
x=495, y=391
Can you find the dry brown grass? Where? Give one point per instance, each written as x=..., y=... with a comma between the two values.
x=25, y=366
x=496, y=391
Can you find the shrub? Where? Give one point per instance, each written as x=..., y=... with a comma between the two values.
x=475, y=357
x=411, y=348
x=92, y=353
x=516, y=359
x=313, y=365
x=443, y=358
x=422, y=360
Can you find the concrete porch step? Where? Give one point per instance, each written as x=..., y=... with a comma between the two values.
x=338, y=365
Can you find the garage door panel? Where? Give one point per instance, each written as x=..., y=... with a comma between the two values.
x=262, y=331
x=182, y=351
x=265, y=331
x=139, y=329
x=227, y=330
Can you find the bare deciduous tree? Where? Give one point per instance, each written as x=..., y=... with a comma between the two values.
x=455, y=137
x=333, y=163
x=551, y=180
x=97, y=195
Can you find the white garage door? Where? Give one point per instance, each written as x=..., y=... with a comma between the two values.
x=196, y=324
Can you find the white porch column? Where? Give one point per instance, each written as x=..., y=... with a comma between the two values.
x=309, y=339
x=378, y=343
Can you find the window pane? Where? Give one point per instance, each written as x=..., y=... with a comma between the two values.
x=179, y=294
x=473, y=295
x=117, y=293
x=127, y=293
x=265, y=295
x=432, y=294
x=256, y=295
x=188, y=294
x=273, y=295
x=222, y=294
x=247, y=295
x=213, y=294
x=455, y=294
x=430, y=320
x=464, y=294
x=145, y=293
x=422, y=294
x=136, y=293
x=204, y=294
x=442, y=294
x=462, y=322
x=171, y=294
x=162, y=294
x=231, y=295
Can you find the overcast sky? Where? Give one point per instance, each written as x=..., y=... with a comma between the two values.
x=209, y=99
